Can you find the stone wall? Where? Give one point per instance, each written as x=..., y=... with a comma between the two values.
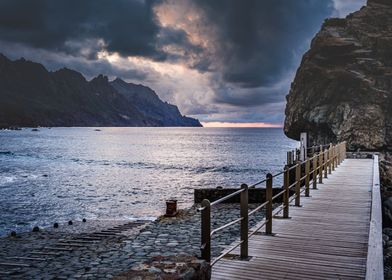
x=256, y=195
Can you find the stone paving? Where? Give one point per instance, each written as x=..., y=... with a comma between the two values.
x=114, y=250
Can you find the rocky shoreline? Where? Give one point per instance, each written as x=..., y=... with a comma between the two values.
x=108, y=250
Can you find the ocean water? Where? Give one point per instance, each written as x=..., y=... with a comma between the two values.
x=61, y=174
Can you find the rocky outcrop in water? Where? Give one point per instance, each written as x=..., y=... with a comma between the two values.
x=32, y=96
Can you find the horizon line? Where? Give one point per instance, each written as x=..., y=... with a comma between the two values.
x=242, y=124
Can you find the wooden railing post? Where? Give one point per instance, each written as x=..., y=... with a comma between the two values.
x=286, y=194
x=268, y=192
x=206, y=230
x=321, y=158
x=333, y=157
x=315, y=161
x=298, y=184
x=337, y=155
x=330, y=158
x=244, y=221
x=326, y=163
x=307, y=178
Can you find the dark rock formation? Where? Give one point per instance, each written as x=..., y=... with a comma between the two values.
x=32, y=96
x=343, y=88
x=148, y=102
x=171, y=267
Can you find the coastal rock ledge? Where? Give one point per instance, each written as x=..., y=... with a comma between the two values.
x=343, y=87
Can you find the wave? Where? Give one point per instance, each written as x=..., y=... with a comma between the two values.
x=142, y=165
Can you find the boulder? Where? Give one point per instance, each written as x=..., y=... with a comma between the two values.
x=169, y=267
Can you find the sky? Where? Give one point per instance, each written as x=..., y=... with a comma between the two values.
x=225, y=62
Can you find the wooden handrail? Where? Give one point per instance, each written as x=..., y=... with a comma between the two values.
x=374, y=263
x=319, y=165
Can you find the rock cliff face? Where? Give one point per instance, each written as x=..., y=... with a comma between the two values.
x=32, y=96
x=343, y=87
x=148, y=102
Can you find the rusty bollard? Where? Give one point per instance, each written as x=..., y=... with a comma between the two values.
x=171, y=208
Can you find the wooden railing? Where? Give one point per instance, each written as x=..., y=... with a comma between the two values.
x=374, y=262
x=313, y=169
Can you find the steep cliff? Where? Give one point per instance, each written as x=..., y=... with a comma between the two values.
x=30, y=95
x=343, y=90
x=148, y=102
x=343, y=87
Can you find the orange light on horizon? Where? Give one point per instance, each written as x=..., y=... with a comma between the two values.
x=234, y=124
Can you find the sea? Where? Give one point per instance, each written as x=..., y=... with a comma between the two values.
x=61, y=174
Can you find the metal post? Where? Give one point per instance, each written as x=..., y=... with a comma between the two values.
x=268, y=192
x=315, y=161
x=298, y=184
x=321, y=158
x=206, y=230
x=286, y=195
x=244, y=221
x=307, y=178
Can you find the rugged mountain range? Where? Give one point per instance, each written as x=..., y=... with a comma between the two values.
x=30, y=95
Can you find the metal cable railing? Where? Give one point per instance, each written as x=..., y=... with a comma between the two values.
x=316, y=167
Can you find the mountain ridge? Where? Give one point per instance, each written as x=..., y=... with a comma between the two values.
x=33, y=96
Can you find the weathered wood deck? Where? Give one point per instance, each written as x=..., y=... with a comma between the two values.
x=326, y=238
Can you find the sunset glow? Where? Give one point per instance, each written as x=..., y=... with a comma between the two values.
x=234, y=124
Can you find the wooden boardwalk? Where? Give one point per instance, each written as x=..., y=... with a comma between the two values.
x=326, y=238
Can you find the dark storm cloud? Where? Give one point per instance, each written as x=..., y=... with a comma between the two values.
x=246, y=51
x=125, y=26
x=257, y=40
x=88, y=67
x=248, y=98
